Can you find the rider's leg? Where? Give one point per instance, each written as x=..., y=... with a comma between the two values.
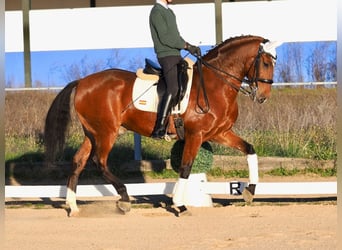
x=162, y=117
x=169, y=66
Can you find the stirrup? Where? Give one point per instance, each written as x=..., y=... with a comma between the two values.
x=167, y=138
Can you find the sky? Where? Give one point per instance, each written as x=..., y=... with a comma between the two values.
x=67, y=37
x=53, y=68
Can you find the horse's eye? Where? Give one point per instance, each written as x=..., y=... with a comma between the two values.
x=266, y=65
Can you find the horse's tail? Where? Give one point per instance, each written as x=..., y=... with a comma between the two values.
x=56, y=122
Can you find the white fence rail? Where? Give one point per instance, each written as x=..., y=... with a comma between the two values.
x=225, y=188
x=280, y=84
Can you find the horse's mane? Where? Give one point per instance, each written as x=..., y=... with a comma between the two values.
x=231, y=42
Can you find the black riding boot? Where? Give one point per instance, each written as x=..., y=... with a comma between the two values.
x=159, y=130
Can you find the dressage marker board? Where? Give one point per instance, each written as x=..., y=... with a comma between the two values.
x=228, y=188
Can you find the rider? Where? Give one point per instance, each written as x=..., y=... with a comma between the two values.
x=167, y=45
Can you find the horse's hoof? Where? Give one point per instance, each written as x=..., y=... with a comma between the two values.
x=247, y=196
x=183, y=211
x=124, y=206
x=74, y=213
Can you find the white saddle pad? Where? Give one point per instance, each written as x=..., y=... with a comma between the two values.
x=145, y=96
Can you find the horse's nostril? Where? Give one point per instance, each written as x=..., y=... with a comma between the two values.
x=262, y=100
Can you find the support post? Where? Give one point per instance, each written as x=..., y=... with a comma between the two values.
x=218, y=21
x=26, y=6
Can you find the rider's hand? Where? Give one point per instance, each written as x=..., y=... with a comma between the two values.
x=194, y=50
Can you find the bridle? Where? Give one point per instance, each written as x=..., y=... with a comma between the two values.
x=252, y=83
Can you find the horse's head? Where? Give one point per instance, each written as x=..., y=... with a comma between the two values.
x=260, y=72
x=245, y=59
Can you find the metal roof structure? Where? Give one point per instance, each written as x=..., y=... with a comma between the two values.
x=56, y=4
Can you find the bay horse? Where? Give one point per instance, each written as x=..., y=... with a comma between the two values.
x=102, y=102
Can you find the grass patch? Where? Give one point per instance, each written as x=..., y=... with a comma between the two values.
x=322, y=172
x=165, y=174
x=283, y=172
x=233, y=173
x=28, y=205
x=325, y=172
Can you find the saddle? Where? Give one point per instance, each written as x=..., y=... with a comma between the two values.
x=151, y=68
x=145, y=95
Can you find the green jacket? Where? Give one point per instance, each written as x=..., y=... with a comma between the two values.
x=164, y=31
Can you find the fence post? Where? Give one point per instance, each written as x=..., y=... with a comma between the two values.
x=137, y=147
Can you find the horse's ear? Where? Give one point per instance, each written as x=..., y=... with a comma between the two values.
x=269, y=47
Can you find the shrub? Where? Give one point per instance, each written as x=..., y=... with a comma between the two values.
x=203, y=160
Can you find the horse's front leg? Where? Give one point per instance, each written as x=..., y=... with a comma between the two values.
x=252, y=161
x=230, y=139
x=191, y=147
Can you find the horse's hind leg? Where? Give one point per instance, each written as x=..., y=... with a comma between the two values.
x=124, y=203
x=104, y=144
x=79, y=162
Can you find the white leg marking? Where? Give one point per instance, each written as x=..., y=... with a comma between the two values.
x=252, y=161
x=71, y=201
x=178, y=194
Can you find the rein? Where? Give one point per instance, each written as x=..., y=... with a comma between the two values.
x=202, y=110
x=251, y=92
x=243, y=90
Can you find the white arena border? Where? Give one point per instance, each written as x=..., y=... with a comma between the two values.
x=139, y=189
